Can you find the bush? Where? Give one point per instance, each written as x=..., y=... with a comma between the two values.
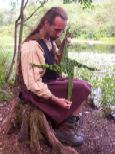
x=5, y=60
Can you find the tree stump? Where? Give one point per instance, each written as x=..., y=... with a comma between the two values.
x=33, y=127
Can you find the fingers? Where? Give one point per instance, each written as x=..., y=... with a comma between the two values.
x=65, y=103
x=67, y=107
x=68, y=102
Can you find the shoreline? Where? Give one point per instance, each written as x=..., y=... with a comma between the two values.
x=93, y=42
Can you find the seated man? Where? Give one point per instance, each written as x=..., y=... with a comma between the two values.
x=43, y=87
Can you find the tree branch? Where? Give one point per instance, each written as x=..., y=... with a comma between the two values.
x=25, y=4
x=15, y=50
x=21, y=17
x=41, y=5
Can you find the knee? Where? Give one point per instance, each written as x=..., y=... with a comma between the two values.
x=83, y=86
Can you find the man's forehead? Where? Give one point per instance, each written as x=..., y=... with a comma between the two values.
x=58, y=21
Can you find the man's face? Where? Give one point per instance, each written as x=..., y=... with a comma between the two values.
x=55, y=30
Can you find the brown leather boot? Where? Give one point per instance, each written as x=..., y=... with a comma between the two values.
x=73, y=120
x=66, y=132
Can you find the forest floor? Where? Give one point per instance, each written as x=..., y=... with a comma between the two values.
x=99, y=131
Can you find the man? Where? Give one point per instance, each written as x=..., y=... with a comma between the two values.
x=44, y=87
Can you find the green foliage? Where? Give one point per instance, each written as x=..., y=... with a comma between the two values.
x=5, y=60
x=6, y=46
x=92, y=23
x=84, y=3
x=13, y=5
x=4, y=95
x=105, y=81
x=4, y=65
x=1, y=18
x=106, y=84
x=108, y=90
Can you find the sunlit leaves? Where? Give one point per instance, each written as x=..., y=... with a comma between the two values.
x=84, y=3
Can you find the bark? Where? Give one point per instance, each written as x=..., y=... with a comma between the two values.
x=33, y=128
x=17, y=43
x=13, y=120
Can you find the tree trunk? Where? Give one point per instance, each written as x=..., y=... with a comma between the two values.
x=33, y=127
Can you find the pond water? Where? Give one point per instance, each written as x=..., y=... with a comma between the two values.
x=93, y=47
x=103, y=58
x=94, y=55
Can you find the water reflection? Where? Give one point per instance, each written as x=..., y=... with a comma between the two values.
x=102, y=60
x=99, y=48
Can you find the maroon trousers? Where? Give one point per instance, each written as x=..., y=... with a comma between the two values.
x=81, y=90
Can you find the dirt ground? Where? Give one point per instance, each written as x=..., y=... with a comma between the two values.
x=99, y=131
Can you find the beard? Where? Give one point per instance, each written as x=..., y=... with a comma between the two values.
x=53, y=38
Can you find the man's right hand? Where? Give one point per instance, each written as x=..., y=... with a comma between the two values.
x=62, y=102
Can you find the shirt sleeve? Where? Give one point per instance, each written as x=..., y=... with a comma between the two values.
x=31, y=53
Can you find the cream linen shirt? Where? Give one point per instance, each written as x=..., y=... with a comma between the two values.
x=32, y=53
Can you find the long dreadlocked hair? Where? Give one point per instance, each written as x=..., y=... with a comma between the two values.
x=50, y=15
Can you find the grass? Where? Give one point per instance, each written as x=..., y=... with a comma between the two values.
x=5, y=60
x=109, y=41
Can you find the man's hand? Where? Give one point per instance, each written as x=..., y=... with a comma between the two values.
x=62, y=102
x=69, y=39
